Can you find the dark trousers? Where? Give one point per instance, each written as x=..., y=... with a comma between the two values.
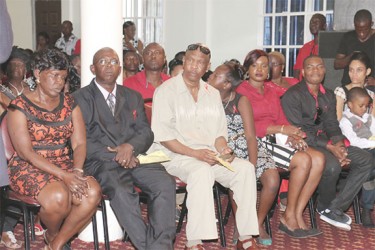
x=368, y=196
x=118, y=184
x=360, y=167
x=10, y=221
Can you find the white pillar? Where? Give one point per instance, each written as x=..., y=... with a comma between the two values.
x=101, y=26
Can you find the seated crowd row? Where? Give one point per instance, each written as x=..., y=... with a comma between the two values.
x=71, y=148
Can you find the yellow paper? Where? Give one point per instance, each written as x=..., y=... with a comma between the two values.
x=225, y=163
x=372, y=138
x=156, y=156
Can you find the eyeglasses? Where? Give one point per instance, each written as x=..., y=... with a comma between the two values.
x=112, y=62
x=319, y=112
x=203, y=49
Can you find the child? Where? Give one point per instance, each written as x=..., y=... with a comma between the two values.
x=358, y=125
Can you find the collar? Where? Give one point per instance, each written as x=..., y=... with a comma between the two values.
x=321, y=90
x=104, y=91
x=141, y=78
x=349, y=114
x=182, y=88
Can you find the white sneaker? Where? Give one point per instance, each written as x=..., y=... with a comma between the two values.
x=335, y=218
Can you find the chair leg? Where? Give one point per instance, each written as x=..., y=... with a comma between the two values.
x=182, y=214
x=312, y=213
x=227, y=212
x=32, y=227
x=2, y=209
x=95, y=232
x=26, y=223
x=220, y=216
x=357, y=211
x=105, y=225
x=126, y=237
x=267, y=224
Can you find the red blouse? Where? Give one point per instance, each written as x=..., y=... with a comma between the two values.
x=280, y=90
x=267, y=109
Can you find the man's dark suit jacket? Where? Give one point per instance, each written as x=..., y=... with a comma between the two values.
x=128, y=125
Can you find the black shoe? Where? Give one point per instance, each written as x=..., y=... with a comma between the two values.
x=296, y=233
x=366, y=218
x=313, y=232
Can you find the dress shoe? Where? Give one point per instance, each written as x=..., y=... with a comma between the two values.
x=253, y=246
x=196, y=247
x=296, y=233
x=366, y=218
x=313, y=232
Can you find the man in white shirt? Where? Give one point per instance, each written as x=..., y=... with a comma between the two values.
x=67, y=41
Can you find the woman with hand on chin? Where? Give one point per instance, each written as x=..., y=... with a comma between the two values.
x=293, y=155
x=48, y=133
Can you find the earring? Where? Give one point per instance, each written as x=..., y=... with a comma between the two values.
x=37, y=81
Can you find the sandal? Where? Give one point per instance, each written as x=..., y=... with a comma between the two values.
x=13, y=243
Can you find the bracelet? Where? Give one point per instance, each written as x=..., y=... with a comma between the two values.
x=78, y=169
x=282, y=129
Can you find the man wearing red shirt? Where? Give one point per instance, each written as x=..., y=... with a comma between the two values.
x=317, y=23
x=145, y=82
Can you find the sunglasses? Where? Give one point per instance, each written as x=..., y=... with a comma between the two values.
x=203, y=49
x=319, y=112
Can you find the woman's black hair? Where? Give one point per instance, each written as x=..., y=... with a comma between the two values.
x=127, y=24
x=235, y=73
x=44, y=34
x=50, y=59
x=362, y=57
x=17, y=53
x=173, y=63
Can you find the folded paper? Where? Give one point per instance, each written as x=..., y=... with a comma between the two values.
x=154, y=157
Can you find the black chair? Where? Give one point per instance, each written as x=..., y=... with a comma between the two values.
x=102, y=207
x=27, y=206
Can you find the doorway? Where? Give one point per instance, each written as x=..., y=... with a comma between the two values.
x=48, y=18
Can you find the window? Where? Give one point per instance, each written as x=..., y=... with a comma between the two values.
x=148, y=18
x=286, y=25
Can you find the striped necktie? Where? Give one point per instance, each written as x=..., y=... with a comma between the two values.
x=111, y=102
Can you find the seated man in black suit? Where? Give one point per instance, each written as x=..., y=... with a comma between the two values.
x=117, y=131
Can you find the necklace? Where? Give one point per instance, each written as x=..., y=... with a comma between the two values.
x=230, y=97
x=18, y=92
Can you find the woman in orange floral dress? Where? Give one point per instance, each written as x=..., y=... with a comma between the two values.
x=48, y=133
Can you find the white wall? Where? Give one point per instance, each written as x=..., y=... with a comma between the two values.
x=20, y=12
x=71, y=10
x=228, y=27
